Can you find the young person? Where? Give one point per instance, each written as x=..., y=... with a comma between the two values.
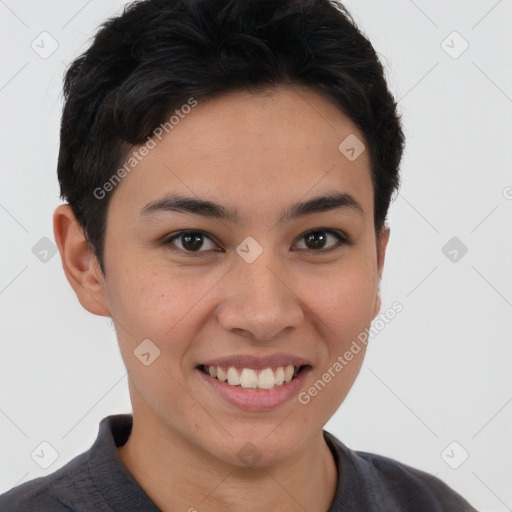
x=228, y=167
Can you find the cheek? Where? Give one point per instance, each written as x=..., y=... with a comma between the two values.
x=341, y=299
x=157, y=302
x=342, y=304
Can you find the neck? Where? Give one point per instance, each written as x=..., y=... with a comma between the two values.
x=178, y=475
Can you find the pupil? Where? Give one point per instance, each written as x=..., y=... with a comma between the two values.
x=192, y=241
x=316, y=239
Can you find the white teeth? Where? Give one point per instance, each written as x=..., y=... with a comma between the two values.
x=250, y=379
x=221, y=375
x=233, y=376
x=279, y=376
x=266, y=379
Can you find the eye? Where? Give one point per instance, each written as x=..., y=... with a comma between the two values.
x=317, y=239
x=190, y=241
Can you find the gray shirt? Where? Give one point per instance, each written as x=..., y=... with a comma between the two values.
x=96, y=480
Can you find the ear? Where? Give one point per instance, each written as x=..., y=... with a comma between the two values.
x=382, y=243
x=80, y=265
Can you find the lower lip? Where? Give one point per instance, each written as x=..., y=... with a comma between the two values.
x=255, y=400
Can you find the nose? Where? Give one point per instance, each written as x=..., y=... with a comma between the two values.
x=259, y=301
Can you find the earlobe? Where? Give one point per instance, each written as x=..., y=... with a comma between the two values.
x=79, y=262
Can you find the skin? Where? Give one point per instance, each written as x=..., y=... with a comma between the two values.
x=258, y=153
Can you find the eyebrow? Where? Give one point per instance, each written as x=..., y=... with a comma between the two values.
x=207, y=208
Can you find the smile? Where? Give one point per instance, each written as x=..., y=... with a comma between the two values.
x=250, y=378
x=253, y=389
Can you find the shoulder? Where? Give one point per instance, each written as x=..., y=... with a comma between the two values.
x=383, y=483
x=412, y=488
x=49, y=493
x=89, y=481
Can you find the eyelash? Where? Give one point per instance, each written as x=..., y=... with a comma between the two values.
x=342, y=240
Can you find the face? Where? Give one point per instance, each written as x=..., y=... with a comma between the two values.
x=255, y=283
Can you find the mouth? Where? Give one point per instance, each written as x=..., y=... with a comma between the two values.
x=264, y=388
x=252, y=379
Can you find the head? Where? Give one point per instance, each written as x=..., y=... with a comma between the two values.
x=218, y=118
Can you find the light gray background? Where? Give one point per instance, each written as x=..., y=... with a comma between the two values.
x=438, y=373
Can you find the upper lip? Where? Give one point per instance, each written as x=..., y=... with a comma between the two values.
x=258, y=363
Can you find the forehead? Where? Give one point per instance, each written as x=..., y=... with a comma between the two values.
x=250, y=151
